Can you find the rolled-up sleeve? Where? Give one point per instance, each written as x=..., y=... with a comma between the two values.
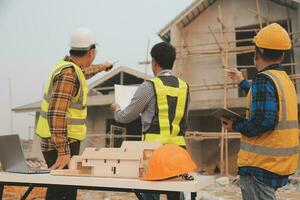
x=245, y=86
x=264, y=109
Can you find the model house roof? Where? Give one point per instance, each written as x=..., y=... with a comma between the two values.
x=140, y=146
x=114, y=154
x=130, y=150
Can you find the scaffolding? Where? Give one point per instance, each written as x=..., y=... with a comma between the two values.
x=222, y=48
x=117, y=134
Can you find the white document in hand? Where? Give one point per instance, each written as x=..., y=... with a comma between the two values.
x=124, y=94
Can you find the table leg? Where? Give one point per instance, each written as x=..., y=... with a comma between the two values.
x=1, y=190
x=138, y=195
x=193, y=195
x=30, y=188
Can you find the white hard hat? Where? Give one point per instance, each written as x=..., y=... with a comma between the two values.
x=82, y=39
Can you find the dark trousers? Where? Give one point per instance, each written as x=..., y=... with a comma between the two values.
x=61, y=192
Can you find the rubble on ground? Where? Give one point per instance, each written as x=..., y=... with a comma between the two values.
x=227, y=188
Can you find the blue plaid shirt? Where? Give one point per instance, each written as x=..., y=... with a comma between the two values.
x=264, y=117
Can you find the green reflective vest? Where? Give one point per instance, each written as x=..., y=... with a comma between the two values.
x=169, y=130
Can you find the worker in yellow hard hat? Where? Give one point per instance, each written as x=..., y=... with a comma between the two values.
x=269, y=143
x=61, y=125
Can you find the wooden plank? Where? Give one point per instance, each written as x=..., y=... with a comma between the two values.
x=215, y=38
x=231, y=41
x=210, y=135
x=224, y=57
x=258, y=13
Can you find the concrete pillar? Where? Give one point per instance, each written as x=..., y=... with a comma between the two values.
x=176, y=41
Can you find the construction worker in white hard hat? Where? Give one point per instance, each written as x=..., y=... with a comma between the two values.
x=61, y=125
x=270, y=141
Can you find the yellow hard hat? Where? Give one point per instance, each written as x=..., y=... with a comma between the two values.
x=274, y=37
x=169, y=161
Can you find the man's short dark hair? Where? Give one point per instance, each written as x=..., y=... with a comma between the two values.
x=269, y=54
x=80, y=53
x=164, y=54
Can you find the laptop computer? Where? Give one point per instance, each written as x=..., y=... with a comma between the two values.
x=12, y=158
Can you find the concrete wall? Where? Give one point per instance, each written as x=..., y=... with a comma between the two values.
x=96, y=124
x=234, y=14
x=204, y=124
x=97, y=116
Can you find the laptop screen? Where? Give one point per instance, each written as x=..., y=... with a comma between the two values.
x=11, y=154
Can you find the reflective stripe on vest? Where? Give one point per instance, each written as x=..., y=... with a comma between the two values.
x=76, y=112
x=287, y=125
x=269, y=151
x=69, y=120
x=77, y=106
x=277, y=150
x=167, y=136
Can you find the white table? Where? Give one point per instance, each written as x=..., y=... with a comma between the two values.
x=107, y=184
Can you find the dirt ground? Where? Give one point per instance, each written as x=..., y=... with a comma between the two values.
x=229, y=192
x=15, y=193
x=232, y=192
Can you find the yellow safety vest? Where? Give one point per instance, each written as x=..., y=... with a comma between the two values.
x=77, y=110
x=165, y=135
x=277, y=150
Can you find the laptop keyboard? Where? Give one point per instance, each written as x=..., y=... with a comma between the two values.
x=38, y=171
x=35, y=163
x=36, y=167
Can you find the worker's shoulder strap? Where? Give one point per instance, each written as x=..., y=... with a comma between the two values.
x=160, y=81
x=62, y=68
x=59, y=69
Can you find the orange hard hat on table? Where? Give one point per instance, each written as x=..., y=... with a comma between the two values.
x=168, y=161
x=273, y=37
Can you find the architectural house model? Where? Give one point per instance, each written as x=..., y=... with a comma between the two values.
x=128, y=161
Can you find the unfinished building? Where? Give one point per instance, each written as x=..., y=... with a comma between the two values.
x=210, y=36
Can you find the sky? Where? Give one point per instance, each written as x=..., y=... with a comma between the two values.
x=34, y=36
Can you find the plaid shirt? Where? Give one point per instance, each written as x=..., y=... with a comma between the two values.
x=264, y=117
x=65, y=86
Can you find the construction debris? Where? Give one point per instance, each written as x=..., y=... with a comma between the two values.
x=204, y=148
x=223, y=181
x=231, y=191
